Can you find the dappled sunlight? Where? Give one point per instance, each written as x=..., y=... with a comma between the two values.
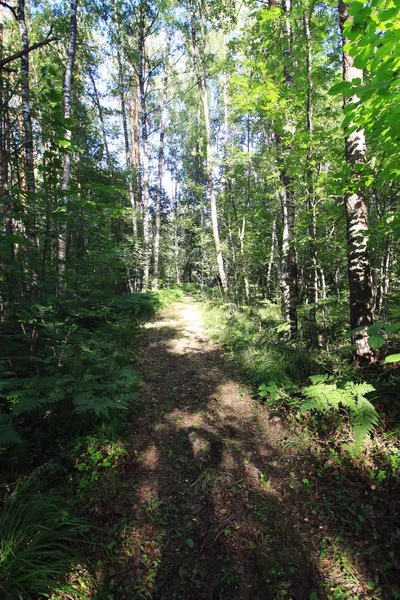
x=220, y=501
x=150, y=458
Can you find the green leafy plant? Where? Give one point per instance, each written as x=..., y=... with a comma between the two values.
x=96, y=457
x=327, y=394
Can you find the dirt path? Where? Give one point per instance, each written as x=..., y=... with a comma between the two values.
x=214, y=499
x=208, y=498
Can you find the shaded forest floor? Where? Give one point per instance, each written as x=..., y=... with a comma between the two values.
x=215, y=498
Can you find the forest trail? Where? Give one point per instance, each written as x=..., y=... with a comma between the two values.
x=207, y=482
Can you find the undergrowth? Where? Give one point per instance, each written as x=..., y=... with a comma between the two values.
x=336, y=402
x=38, y=540
x=66, y=380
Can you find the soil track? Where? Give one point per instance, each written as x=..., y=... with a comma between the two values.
x=211, y=505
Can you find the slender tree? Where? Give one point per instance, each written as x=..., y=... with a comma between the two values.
x=66, y=177
x=311, y=197
x=200, y=67
x=288, y=200
x=161, y=167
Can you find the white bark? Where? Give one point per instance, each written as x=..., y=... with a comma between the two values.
x=66, y=177
x=357, y=220
x=199, y=61
x=160, y=170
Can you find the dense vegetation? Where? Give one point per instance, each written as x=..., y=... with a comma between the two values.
x=244, y=152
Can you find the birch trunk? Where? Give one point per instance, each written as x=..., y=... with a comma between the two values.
x=271, y=257
x=160, y=170
x=145, y=157
x=28, y=144
x=357, y=220
x=176, y=236
x=66, y=177
x=288, y=203
x=134, y=112
x=289, y=264
x=200, y=68
x=4, y=190
x=25, y=97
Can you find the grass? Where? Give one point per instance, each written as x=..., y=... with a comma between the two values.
x=252, y=335
x=38, y=544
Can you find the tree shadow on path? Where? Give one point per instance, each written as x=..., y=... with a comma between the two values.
x=212, y=500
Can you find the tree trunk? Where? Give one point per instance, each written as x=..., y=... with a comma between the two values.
x=25, y=97
x=128, y=164
x=28, y=144
x=200, y=67
x=134, y=112
x=160, y=170
x=357, y=221
x=4, y=191
x=101, y=119
x=65, y=184
x=145, y=155
x=289, y=264
x=288, y=202
x=271, y=258
x=176, y=235
x=312, y=279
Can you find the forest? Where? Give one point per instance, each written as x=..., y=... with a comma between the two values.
x=199, y=299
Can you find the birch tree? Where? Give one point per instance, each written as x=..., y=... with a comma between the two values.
x=163, y=122
x=66, y=177
x=200, y=68
x=356, y=217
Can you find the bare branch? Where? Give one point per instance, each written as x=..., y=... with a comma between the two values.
x=17, y=55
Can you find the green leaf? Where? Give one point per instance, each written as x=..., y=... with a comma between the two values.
x=190, y=543
x=361, y=59
x=388, y=14
x=375, y=328
x=376, y=341
x=392, y=328
x=392, y=358
x=339, y=88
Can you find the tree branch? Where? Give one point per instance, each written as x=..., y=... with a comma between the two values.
x=17, y=55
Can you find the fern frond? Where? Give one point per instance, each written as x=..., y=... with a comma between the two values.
x=8, y=436
x=322, y=396
x=363, y=416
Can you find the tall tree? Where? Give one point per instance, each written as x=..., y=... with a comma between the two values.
x=66, y=177
x=200, y=67
x=163, y=122
x=288, y=200
x=356, y=216
x=25, y=96
x=311, y=196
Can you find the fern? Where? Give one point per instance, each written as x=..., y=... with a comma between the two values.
x=8, y=436
x=325, y=394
